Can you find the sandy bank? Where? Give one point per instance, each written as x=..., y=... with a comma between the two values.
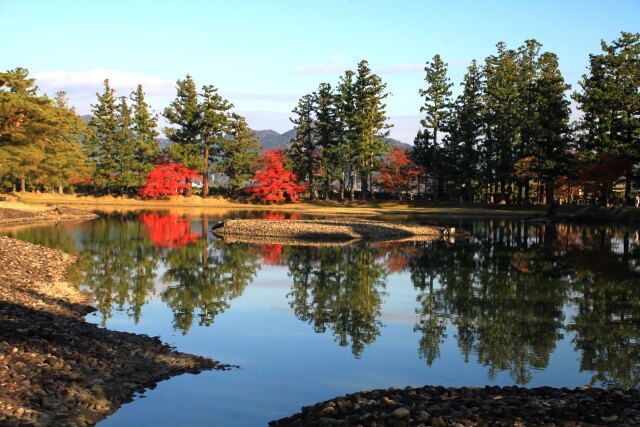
x=55, y=368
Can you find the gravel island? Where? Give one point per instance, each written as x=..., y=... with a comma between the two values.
x=333, y=229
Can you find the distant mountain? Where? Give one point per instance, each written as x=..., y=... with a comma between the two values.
x=272, y=139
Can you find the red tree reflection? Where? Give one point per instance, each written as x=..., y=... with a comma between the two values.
x=276, y=216
x=270, y=254
x=168, y=230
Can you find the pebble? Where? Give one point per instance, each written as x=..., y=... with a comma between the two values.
x=401, y=413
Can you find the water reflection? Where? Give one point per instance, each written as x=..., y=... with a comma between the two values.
x=340, y=288
x=507, y=295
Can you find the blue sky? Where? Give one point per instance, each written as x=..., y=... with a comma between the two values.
x=264, y=55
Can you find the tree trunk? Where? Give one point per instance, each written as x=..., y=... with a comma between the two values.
x=372, y=191
x=205, y=174
x=363, y=186
x=549, y=192
x=352, y=184
x=526, y=192
x=627, y=189
x=327, y=188
x=434, y=166
x=60, y=189
x=23, y=185
x=312, y=188
x=341, y=190
x=188, y=192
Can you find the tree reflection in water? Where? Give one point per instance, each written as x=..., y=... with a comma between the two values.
x=507, y=294
x=340, y=288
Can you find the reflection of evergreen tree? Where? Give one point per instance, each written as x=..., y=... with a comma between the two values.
x=120, y=268
x=509, y=319
x=205, y=277
x=339, y=288
x=607, y=294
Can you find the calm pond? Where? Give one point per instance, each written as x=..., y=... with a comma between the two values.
x=514, y=303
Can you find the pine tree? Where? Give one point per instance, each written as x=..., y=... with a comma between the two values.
x=347, y=133
x=145, y=126
x=184, y=114
x=437, y=103
x=213, y=125
x=502, y=118
x=104, y=138
x=303, y=152
x=550, y=116
x=65, y=159
x=126, y=166
x=239, y=154
x=371, y=126
x=326, y=135
x=528, y=71
x=466, y=131
x=610, y=126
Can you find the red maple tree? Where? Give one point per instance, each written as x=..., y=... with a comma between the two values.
x=398, y=173
x=273, y=181
x=167, y=180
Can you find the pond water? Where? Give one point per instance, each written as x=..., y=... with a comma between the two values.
x=513, y=303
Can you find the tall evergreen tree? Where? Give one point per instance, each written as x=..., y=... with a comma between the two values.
x=184, y=115
x=467, y=129
x=213, y=125
x=326, y=135
x=610, y=101
x=550, y=118
x=145, y=128
x=371, y=124
x=303, y=152
x=104, y=137
x=348, y=132
x=239, y=154
x=437, y=103
x=501, y=118
x=528, y=71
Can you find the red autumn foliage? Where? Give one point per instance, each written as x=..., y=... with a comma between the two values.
x=168, y=231
x=398, y=173
x=167, y=180
x=273, y=182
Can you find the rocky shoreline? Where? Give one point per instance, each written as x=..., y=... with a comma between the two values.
x=474, y=406
x=334, y=229
x=55, y=368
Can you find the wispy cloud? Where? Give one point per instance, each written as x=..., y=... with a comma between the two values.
x=333, y=65
x=93, y=80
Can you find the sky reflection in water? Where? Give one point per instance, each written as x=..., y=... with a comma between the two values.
x=512, y=304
